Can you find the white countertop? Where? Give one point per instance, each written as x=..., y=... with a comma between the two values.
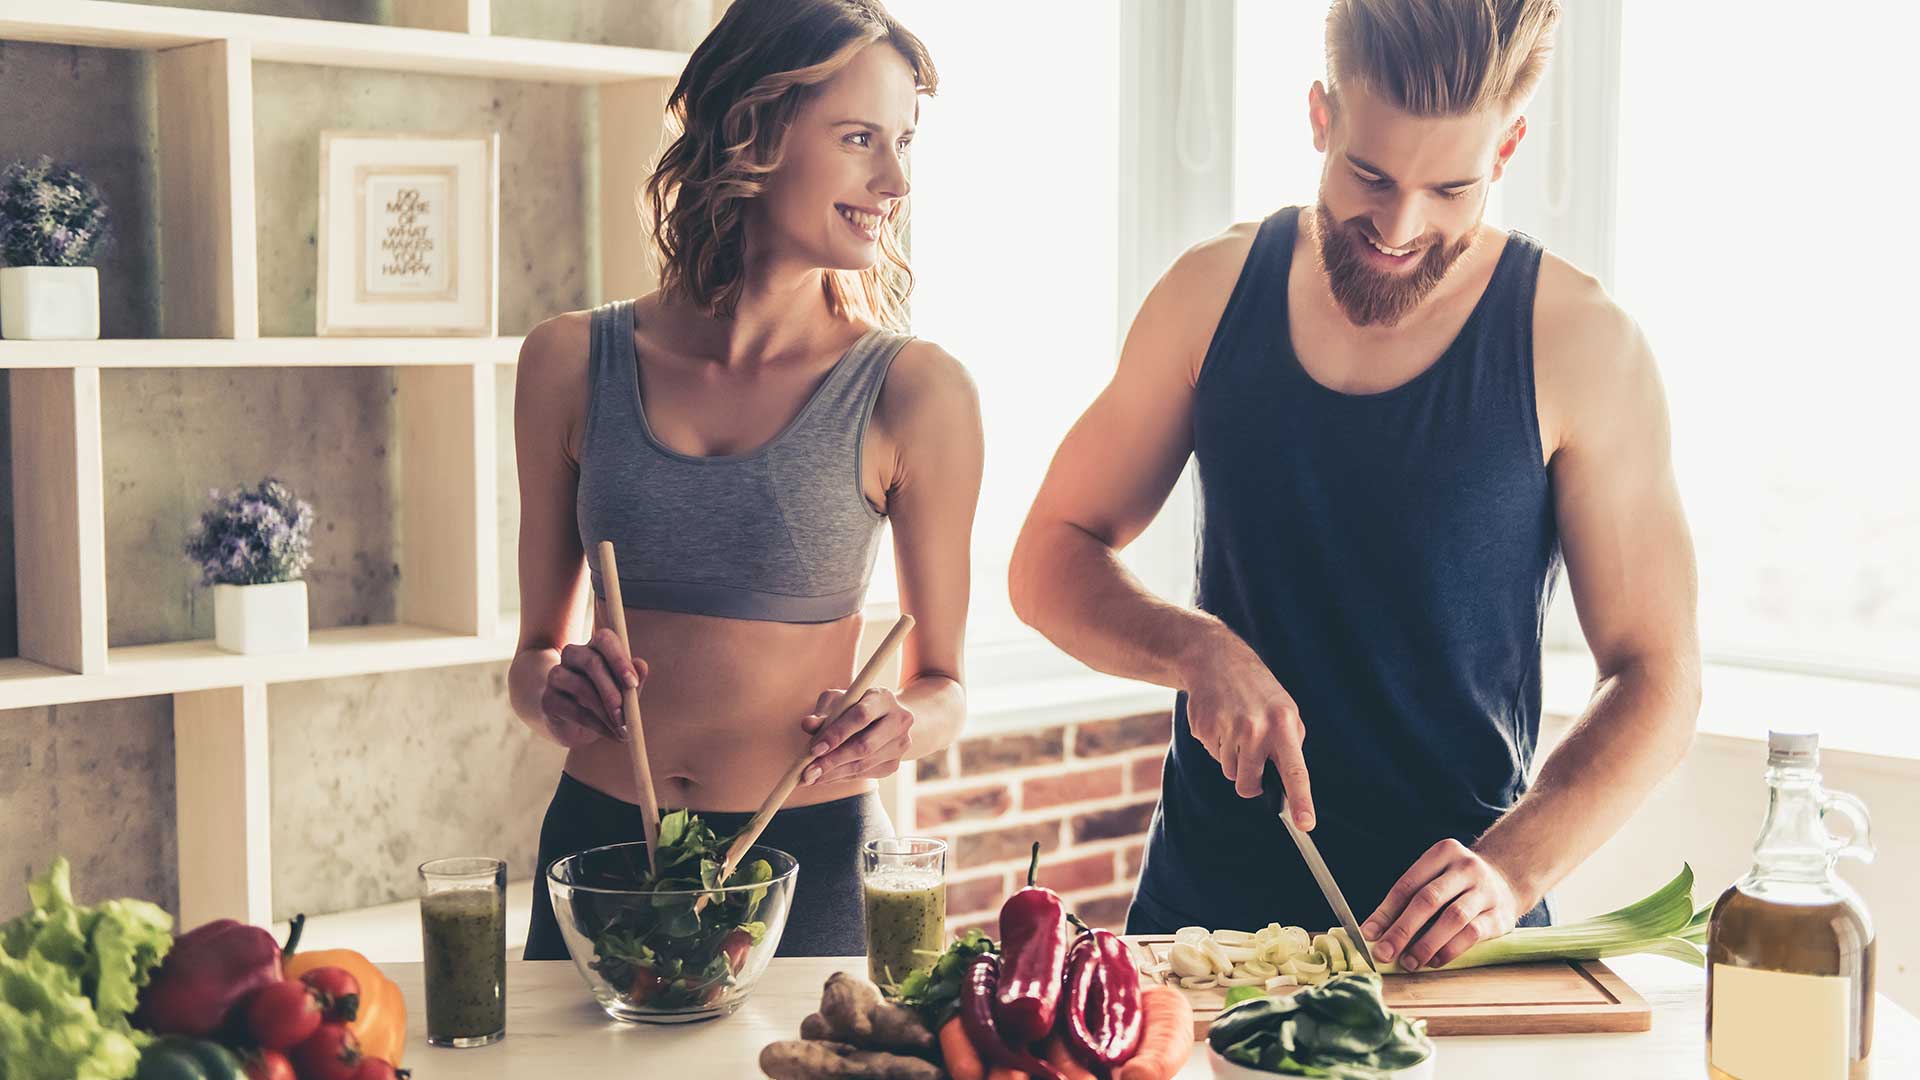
x=554, y=1029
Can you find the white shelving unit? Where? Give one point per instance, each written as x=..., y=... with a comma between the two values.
x=449, y=599
x=445, y=37
x=278, y=352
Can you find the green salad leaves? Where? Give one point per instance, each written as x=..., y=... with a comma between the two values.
x=1340, y=1030
x=69, y=978
x=657, y=949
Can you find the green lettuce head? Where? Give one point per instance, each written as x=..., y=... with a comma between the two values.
x=69, y=978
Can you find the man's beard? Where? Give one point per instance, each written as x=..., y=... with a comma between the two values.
x=1373, y=297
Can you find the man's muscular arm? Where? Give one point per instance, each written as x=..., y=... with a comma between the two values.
x=1108, y=480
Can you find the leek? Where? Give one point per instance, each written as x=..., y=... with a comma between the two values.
x=1664, y=923
x=1355, y=961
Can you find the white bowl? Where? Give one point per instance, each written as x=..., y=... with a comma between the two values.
x=1228, y=1070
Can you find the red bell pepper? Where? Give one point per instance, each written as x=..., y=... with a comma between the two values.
x=208, y=973
x=1033, y=937
x=1103, y=1014
x=977, y=995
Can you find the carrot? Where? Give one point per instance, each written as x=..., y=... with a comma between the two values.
x=1057, y=1056
x=1166, y=1035
x=963, y=1061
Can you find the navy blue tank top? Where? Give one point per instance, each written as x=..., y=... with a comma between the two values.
x=1390, y=557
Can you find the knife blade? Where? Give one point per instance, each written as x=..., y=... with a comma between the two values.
x=1275, y=797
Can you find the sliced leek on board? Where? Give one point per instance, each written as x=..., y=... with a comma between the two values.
x=1664, y=923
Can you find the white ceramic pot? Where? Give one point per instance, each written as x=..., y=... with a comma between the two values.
x=261, y=618
x=50, y=302
x=1227, y=1070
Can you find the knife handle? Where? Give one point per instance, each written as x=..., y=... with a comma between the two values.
x=1272, y=792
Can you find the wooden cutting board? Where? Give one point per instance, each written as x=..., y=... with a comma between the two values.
x=1550, y=998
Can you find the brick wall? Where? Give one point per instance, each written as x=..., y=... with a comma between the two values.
x=1085, y=791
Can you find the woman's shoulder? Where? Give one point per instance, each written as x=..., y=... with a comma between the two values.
x=550, y=383
x=928, y=392
x=923, y=373
x=557, y=345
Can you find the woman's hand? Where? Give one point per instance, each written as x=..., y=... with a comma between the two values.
x=867, y=742
x=581, y=703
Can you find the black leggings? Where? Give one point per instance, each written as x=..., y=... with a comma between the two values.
x=825, y=838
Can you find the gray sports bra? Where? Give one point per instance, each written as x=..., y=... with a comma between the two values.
x=783, y=533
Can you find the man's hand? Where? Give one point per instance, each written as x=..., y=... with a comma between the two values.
x=866, y=742
x=1452, y=893
x=1240, y=713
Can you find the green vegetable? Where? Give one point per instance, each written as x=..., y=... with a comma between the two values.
x=69, y=977
x=1664, y=923
x=1239, y=994
x=660, y=951
x=934, y=991
x=176, y=1058
x=1340, y=1030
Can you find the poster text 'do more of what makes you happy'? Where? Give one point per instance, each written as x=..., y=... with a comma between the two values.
x=408, y=245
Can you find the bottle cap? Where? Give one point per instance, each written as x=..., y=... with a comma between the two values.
x=1793, y=750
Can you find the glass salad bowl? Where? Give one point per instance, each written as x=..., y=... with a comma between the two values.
x=647, y=954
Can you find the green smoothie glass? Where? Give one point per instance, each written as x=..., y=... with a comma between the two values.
x=904, y=880
x=463, y=931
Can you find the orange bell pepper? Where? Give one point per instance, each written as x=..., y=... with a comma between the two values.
x=381, y=1024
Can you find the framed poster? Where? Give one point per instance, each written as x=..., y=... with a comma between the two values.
x=409, y=235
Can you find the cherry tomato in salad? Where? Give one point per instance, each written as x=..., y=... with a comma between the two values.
x=645, y=985
x=735, y=945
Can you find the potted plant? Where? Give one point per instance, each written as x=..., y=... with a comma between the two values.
x=52, y=223
x=252, y=547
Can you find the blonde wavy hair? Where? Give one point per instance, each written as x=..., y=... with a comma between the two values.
x=729, y=115
x=1442, y=57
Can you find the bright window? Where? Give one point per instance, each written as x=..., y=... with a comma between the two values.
x=1015, y=207
x=1279, y=50
x=1764, y=245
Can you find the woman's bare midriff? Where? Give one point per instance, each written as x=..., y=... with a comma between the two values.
x=722, y=707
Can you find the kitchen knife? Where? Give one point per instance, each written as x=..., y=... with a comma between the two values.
x=1274, y=794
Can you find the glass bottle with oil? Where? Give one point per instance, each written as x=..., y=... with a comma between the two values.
x=1790, y=949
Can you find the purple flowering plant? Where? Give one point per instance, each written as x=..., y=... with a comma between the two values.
x=253, y=537
x=50, y=215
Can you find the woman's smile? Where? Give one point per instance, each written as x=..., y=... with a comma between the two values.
x=864, y=222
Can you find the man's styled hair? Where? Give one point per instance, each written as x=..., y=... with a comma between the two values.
x=1441, y=57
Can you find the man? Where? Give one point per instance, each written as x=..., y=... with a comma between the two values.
x=1403, y=421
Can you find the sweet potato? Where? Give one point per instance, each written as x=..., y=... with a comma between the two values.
x=852, y=1011
x=811, y=1059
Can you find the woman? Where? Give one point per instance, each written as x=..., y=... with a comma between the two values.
x=741, y=435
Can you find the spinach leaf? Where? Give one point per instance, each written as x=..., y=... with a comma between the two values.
x=1339, y=1030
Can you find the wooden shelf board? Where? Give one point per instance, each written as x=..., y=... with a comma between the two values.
x=109, y=25
x=173, y=667
x=260, y=352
